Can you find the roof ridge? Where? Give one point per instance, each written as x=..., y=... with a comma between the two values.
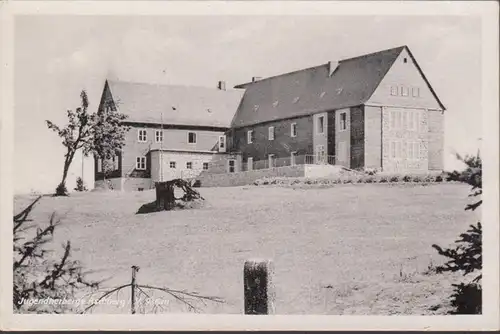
x=324, y=64
x=167, y=85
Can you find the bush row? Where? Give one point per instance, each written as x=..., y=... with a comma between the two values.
x=354, y=178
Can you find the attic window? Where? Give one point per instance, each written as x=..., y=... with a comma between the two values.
x=322, y=94
x=339, y=90
x=256, y=107
x=405, y=60
x=295, y=100
x=275, y=103
x=209, y=110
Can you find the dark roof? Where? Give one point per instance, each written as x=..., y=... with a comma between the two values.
x=181, y=105
x=313, y=90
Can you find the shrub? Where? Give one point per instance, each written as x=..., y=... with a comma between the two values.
x=38, y=276
x=466, y=256
x=407, y=178
x=383, y=179
x=80, y=186
x=61, y=190
x=394, y=178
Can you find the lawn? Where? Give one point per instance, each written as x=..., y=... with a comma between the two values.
x=349, y=249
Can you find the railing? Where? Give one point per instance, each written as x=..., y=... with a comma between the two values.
x=290, y=161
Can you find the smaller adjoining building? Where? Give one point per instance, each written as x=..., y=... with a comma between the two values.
x=175, y=132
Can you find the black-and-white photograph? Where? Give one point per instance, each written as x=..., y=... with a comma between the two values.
x=248, y=164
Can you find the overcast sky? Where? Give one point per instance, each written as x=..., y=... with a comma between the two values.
x=58, y=56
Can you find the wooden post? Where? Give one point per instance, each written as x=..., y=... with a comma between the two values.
x=135, y=269
x=258, y=287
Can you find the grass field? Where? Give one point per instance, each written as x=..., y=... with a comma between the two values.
x=350, y=249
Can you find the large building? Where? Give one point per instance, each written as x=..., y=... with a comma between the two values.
x=373, y=111
x=175, y=131
x=376, y=111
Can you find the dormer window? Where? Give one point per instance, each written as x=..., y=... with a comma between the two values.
x=275, y=103
x=295, y=100
x=322, y=95
x=192, y=137
x=256, y=107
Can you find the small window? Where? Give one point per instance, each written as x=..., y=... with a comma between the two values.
x=191, y=137
x=172, y=164
x=411, y=123
x=142, y=136
x=222, y=143
x=416, y=150
x=189, y=165
x=322, y=95
x=393, y=149
x=159, y=136
x=405, y=60
x=293, y=130
x=409, y=148
x=415, y=91
x=99, y=165
x=256, y=107
x=250, y=136
x=394, y=90
x=231, y=166
x=293, y=158
x=296, y=99
x=404, y=120
x=343, y=121
x=205, y=166
x=116, y=165
x=321, y=124
x=140, y=163
x=275, y=103
x=398, y=150
x=271, y=133
x=405, y=91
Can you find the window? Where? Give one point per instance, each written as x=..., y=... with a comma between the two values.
x=405, y=60
x=271, y=132
x=404, y=119
x=250, y=163
x=398, y=120
x=416, y=150
x=116, y=165
x=222, y=143
x=189, y=165
x=343, y=121
x=159, y=136
x=393, y=149
x=405, y=91
x=415, y=92
x=272, y=161
x=191, y=137
x=411, y=123
x=320, y=153
x=172, y=164
x=293, y=158
x=321, y=124
x=394, y=90
x=398, y=150
x=275, y=103
x=256, y=107
x=293, y=130
x=141, y=136
x=296, y=99
x=205, y=166
x=99, y=165
x=231, y=166
x=250, y=136
x=140, y=163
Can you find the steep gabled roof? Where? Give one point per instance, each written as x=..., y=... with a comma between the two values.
x=181, y=105
x=313, y=89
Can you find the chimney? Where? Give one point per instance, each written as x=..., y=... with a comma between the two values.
x=256, y=79
x=221, y=85
x=332, y=66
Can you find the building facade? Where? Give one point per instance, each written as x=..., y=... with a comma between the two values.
x=375, y=111
x=175, y=132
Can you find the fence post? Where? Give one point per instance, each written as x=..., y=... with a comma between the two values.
x=135, y=269
x=258, y=287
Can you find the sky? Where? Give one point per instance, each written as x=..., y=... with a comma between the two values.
x=55, y=57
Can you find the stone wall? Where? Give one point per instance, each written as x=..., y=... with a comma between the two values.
x=245, y=178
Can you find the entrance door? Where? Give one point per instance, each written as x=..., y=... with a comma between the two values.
x=320, y=154
x=231, y=166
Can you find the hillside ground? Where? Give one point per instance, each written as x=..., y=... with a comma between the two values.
x=349, y=249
